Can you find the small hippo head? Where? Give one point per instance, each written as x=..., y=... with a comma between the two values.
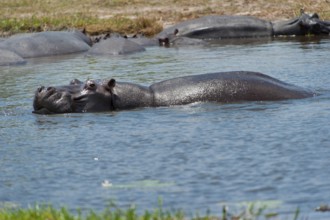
x=166, y=40
x=311, y=24
x=89, y=96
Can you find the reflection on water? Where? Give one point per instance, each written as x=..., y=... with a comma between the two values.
x=195, y=157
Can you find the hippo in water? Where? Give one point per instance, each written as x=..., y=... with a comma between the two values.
x=115, y=46
x=47, y=43
x=176, y=40
x=8, y=58
x=109, y=95
x=219, y=27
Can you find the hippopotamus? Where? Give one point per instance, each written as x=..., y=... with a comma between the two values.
x=47, y=43
x=219, y=27
x=116, y=45
x=10, y=58
x=109, y=95
x=303, y=25
x=139, y=39
x=176, y=40
x=143, y=41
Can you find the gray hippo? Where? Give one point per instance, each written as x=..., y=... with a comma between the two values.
x=108, y=95
x=47, y=43
x=136, y=38
x=10, y=58
x=116, y=45
x=176, y=40
x=303, y=25
x=143, y=41
x=217, y=27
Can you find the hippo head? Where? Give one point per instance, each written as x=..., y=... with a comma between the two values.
x=302, y=25
x=89, y=96
x=312, y=24
x=166, y=40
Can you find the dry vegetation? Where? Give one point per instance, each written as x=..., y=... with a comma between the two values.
x=132, y=16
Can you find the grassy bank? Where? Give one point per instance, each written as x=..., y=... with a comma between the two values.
x=47, y=212
x=137, y=16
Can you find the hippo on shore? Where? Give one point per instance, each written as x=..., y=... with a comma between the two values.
x=109, y=95
x=219, y=27
x=47, y=43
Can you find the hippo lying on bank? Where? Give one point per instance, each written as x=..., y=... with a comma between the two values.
x=46, y=43
x=217, y=27
x=109, y=95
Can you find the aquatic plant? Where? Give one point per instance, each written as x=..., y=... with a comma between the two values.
x=112, y=212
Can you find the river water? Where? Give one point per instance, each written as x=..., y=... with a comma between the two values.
x=196, y=157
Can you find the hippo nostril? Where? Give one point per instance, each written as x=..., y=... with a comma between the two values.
x=92, y=85
x=50, y=88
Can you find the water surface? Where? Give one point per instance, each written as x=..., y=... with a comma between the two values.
x=194, y=157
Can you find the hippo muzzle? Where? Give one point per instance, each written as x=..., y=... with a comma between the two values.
x=51, y=100
x=90, y=96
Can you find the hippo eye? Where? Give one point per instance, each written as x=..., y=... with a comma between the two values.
x=90, y=84
x=40, y=88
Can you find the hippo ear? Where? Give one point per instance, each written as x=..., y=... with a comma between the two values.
x=75, y=82
x=112, y=83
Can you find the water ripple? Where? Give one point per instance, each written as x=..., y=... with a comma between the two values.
x=204, y=153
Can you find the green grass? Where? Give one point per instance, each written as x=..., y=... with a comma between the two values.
x=48, y=212
x=93, y=25
x=137, y=16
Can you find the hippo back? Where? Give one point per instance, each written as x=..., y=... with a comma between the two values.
x=115, y=46
x=10, y=58
x=47, y=43
x=224, y=87
x=216, y=27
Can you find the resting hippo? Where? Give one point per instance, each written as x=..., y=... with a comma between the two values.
x=217, y=27
x=176, y=40
x=136, y=38
x=115, y=46
x=10, y=58
x=108, y=95
x=47, y=43
x=143, y=41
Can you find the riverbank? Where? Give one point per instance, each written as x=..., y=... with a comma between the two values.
x=138, y=16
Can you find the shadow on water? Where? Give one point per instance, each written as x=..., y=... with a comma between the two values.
x=71, y=119
x=251, y=42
